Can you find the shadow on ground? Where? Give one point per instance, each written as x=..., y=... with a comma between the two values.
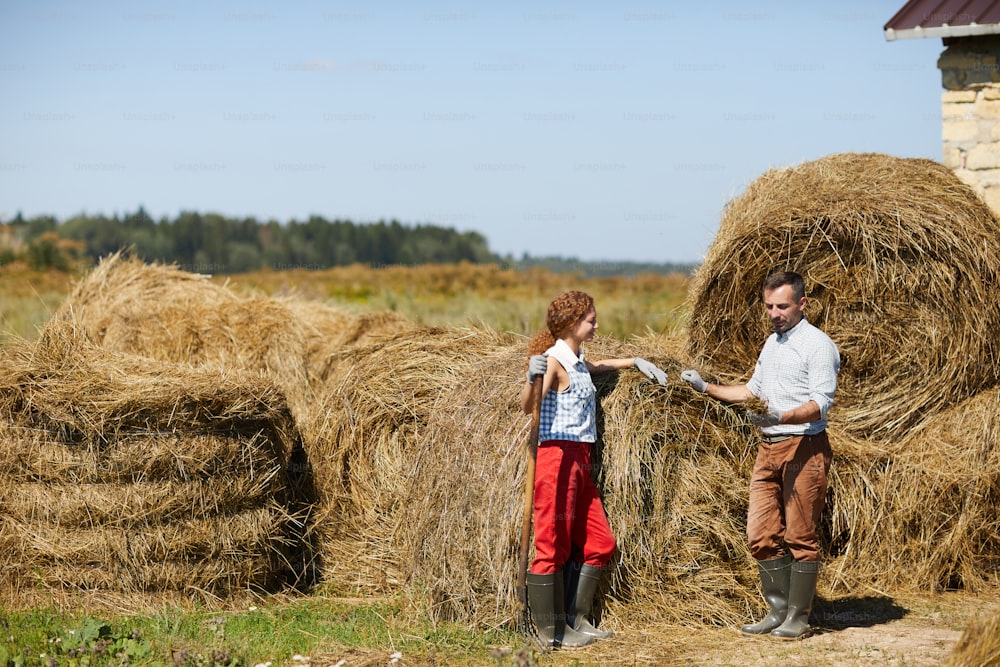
x=854, y=612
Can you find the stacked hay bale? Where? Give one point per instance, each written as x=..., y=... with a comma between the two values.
x=119, y=473
x=125, y=310
x=163, y=313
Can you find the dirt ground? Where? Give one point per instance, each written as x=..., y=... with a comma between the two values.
x=860, y=631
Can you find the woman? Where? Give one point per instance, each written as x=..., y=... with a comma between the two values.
x=568, y=514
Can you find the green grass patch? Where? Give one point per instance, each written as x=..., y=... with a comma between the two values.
x=28, y=298
x=317, y=629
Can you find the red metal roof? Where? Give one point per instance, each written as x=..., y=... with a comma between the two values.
x=944, y=18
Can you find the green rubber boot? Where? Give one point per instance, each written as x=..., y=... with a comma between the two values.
x=545, y=598
x=801, y=589
x=582, y=581
x=774, y=578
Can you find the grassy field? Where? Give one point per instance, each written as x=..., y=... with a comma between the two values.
x=321, y=630
x=463, y=294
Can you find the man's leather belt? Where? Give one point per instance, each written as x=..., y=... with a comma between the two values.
x=781, y=437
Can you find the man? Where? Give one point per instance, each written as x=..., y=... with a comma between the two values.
x=796, y=376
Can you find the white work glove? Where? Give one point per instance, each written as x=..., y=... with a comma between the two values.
x=537, y=365
x=764, y=419
x=693, y=378
x=650, y=371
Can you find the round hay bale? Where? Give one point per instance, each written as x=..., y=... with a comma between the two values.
x=330, y=330
x=164, y=313
x=364, y=441
x=901, y=263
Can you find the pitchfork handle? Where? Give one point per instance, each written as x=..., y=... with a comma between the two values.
x=529, y=490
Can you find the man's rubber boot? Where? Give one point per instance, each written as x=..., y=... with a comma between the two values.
x=580, y=599
x=774, y=578
x=801, y=589
x=545, y=598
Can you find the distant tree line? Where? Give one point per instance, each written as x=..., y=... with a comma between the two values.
x=212, y=243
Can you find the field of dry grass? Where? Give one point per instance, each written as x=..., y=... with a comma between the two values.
x=482, y=295
x=434, y=295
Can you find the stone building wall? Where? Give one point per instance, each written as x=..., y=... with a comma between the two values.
x=970, y=131
x=970, y=113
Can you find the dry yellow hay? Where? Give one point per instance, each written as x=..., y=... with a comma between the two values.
x=917, y=513
x=362, y=446
x=119, y=471
x=979, y=644
x=901, y=262
x=44, y=455
x=66, y=381
x=76, y=505
x=673, y=467
x=331, y=330
x=236, y=535
x=161, y=312
x=164, y=313
x=940, y=493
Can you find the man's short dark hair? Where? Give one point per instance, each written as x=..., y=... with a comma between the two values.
x=779, y=278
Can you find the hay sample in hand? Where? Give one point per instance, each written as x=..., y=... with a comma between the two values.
x=121, y=473
x=901, y=262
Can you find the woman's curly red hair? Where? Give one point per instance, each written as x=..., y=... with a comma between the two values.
x=564, y=311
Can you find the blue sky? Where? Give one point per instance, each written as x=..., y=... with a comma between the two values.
x=594, y=130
